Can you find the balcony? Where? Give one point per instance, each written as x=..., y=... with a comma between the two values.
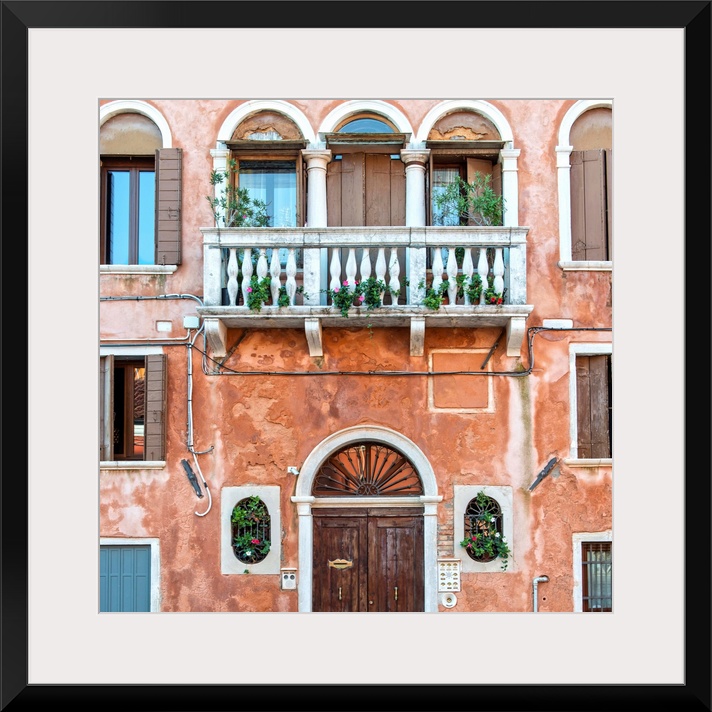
x=406, y=258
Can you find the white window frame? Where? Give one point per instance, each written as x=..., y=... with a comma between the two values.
x=229, y=563
x=578, y=539
x=563, y=170
x=155, y=593
x=593, y=349
x=464, y=494
x=133, y=352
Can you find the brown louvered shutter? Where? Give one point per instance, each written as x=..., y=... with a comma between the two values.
x=106, y=408
x=609, y=203
x=155, y=421
x=589, y=222
x=168, y=205
x=593, y=405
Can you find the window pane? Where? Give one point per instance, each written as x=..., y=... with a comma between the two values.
x=366, y=126
x=117, y=223
x=597, y=570
x=274, y=182
x=442, y=215
x=146, y=216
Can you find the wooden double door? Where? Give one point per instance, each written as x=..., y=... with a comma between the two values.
x=368, y=559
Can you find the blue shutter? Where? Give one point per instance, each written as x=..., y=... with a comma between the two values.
x=125, y=578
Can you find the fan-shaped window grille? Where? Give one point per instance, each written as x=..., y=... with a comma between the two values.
x=367, y=469
x=251, y=538
x=483, y=519
x=366, y=124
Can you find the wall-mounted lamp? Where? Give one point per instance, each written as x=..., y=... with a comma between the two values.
x=293, y=471
x=191, y=477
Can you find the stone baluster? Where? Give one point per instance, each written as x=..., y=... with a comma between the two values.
x=394, y=271
x=291, y=276
x=262, y=264
x=437, y=269
x=365, y=264
x=232, y=276
x=246, y=273
x=275, y=269
x=467, y=270
x=351, y=269
x=498, y=269
x=381, y=264
x=452, y=275
x=482, y=269
x=335, y=268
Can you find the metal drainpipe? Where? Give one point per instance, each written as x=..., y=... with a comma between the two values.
x=535, y=586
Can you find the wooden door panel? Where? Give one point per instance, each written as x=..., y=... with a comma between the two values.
x=339, y=589
x=395, y=564
x=385, y=547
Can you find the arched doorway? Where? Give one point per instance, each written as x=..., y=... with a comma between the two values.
x=367, y=504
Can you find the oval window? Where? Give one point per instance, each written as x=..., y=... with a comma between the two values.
x=250, y=523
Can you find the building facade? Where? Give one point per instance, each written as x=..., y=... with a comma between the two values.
x=329, y=382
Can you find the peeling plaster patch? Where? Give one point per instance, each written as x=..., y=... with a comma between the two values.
x=130, y=520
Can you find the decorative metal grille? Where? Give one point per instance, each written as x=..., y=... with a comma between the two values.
x=477, y=521
x=251, y=539
x=597, y=576
x=367, y=469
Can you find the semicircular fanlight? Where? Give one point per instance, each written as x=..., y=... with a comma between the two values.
x=367, y=469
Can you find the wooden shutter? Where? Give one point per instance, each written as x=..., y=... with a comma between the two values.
x=155, y=418
x=589, y=221
x=609, y=203
x=125, y=578
x=168, y=205
x=593, y=406
x=106, y=408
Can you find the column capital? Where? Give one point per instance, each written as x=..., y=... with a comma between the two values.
x=415, y=155
x=314, y=156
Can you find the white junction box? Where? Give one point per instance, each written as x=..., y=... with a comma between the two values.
x=289, y=578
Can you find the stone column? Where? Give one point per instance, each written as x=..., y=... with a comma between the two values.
x=510, y=186
x=316, y=161
x=415, y=162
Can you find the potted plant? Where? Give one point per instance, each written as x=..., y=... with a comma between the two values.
x=471, y=288
x=484, y=541
x=473, y=202
x=369, y=293
x=493, y=297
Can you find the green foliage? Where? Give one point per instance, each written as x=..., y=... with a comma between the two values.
x=493, y=297
x=471, y=288
x=235, y=208
x=365, y=293
x=258, y=293
x=434, y=297
x=483, y=541
x=474, y=202
x=249, y=517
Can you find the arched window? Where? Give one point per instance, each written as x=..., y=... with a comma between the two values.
x=484, y=539
x=266, y=160
x=365, y=177
x=250, y=530
x=584, y=168
x=367, y=469
x=140, y=189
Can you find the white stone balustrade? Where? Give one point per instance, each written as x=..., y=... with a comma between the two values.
x=399, y=256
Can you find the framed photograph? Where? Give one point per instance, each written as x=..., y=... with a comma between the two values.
x=68, y=69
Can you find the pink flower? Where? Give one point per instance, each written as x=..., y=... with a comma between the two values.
x=336, y=290
x=346, y=283
x=254, y=541
x=361, y=298
x=249, y=289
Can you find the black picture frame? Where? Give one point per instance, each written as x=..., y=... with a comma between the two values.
x=17, y=694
